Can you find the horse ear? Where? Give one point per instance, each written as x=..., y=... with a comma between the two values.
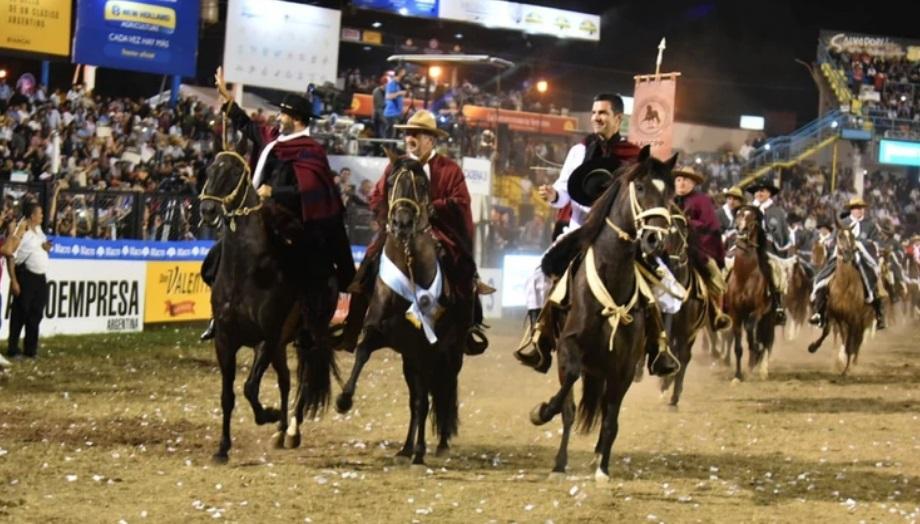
x=671, y=162
x=391, y=155
x=645, y=153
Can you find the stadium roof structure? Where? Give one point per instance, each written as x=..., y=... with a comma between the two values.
x=493, y=61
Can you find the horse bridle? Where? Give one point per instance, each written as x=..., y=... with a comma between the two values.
x=394, y=202
x=640, y=215
x=244, y=184
x=743, y=236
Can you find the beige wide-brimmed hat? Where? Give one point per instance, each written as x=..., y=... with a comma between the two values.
x=735, y=192
x=690, y=172
x=423, y=120
x=857, y=202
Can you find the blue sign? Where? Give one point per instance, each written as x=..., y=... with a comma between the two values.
x=899, y=152
x=421, y=8
x=151, y=36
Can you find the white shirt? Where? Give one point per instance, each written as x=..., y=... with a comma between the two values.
x=574, y=159
x=31, y=253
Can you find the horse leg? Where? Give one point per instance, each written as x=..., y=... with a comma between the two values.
x=226, y=358
x=814, y=346
x=279, y=364
x=261, y=358
x=616, y=390
x=754, y=350
x=684, y=355
x=570, y=371
x=409, y=375
x=343, y=401
x=422, y=405
x=568, y=418
x=739, y=351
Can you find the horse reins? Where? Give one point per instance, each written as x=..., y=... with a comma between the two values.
x=639, y=218
x=413, y=203
x=243, y=184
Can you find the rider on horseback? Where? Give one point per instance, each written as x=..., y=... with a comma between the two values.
x=734, y=198
x=606, y=149
x=777, y=232
x=866, y=235
x=292, y=171
x=707, y=253
x=451, y=224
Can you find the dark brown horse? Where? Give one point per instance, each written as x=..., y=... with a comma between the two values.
x=256, y=302
x=847, y=311
x=692, y=316
x=602, y=343
x=746, y=299
x=430, y=368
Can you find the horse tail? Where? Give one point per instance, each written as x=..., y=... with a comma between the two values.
x=592, y=406
x=320, y=366
x=445, y=416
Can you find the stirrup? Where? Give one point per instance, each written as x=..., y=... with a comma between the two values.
x=664, y=349
x=476, y=341
x=484, y=289
x=209, y=332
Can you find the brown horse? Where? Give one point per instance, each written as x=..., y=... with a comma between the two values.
x=604, y=332
x=847, y=311
x=746, y=299
x=692, y=316
x=256, y=301
x=430, y=368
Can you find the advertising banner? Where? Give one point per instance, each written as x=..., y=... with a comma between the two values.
x=89, y=296
x=36, y=26
x=419, y=8
x=528, y=18
x=86, y=248
x=652, y=120
x=873, y=45
x=520, y=120
x=152, y=36
x=281, y=45
x=478, y=174
x=176, y=293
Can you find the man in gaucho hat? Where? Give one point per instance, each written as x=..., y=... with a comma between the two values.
x=588, y=169
x=291, y=169
x=867, y=236
x=777, y=232
x=451, y=224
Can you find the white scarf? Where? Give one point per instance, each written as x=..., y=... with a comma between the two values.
x=764, y=205
x=263, y=156
x=423, y=303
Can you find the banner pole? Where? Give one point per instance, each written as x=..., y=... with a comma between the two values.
x=661, y=48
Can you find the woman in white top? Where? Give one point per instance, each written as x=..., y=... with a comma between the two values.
x=27, y=280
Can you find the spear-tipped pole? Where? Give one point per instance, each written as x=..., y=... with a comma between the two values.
x=661, y=48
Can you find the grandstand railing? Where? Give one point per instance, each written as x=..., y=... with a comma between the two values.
x=783, y=148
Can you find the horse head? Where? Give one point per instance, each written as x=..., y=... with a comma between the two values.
x=227, y=184
x=846, y=241
x=677, y=242
x=408, y=197
x=649, y=191
x=747, y=222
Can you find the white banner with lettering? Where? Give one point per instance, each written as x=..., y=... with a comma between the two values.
x=281, y=45
x=478, y=173
x=87, y=296
x=528, y=18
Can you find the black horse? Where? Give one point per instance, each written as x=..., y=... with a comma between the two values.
x=257, y=301
x=430, y=368
x=603, y=336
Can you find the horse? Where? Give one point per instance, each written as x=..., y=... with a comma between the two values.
x=797, y=294
x=256, y=302
x=746, y=299
x=431, y=342
x=603, y=334
x=847, y=311
x=692, y=316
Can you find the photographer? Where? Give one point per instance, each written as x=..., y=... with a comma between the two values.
x=393, y=110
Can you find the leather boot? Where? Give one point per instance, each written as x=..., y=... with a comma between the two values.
x=209, y=332
x=531, y=352
x=879, y=315
x=661, y=361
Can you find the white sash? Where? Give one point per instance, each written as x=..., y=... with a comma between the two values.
x=423, y=303
x=263, y=156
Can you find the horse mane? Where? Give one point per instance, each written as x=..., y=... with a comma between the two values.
x=597, y=216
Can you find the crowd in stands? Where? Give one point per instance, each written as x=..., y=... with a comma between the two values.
x=888, y=89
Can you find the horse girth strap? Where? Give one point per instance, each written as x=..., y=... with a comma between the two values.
x=616, y=314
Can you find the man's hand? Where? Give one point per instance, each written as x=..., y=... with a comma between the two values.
x=264, y=191
x=14, y=287
x=548, y=194
x=221, y=85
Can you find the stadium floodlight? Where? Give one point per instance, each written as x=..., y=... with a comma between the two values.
x=542, y=86
x=376, y=25
x=834, y=124
x=434, y=72
x=2, y=73
x=767, y=147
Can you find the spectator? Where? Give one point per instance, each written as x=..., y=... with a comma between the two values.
x=393, y=111
x=27, y=280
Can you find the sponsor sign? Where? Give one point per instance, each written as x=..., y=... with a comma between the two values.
x=873, y=45
x=69, y=247
x=281, y=45
x=899, y=152
x=176, y=293
x=478, y=174
x=420, y=8
x=528, y=18
x=152, y=36
x=520, y=120
x=36, y=26
x=89, y=296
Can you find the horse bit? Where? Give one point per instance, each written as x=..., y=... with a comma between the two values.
x=243, y=184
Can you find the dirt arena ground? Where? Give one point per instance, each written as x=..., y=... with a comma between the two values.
x=122, y=428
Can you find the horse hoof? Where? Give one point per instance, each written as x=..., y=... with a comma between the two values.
x=442, y=452
x=812, y=348
x=536, y=415
x=343, y=403
x=600, y=477
x=402, y=457
x=736, y=381
x=220, y=458
x=419, y=469
x=292, y=441
x=672, y=406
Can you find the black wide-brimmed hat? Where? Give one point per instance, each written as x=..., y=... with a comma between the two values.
x=297, y=107
x=591, y=179
x=763, y=183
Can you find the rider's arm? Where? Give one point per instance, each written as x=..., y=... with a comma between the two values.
x=574, y=159
x=244, y=124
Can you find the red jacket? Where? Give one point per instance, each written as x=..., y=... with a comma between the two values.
x=452, y=223
x=704, y=226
